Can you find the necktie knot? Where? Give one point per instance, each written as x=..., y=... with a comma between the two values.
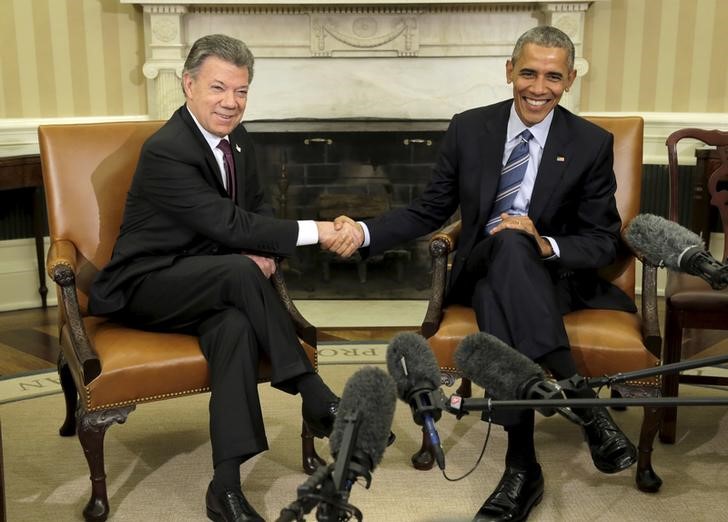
x=224, y=146
x=525, y=135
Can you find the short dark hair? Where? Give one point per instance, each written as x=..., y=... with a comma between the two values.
x=545, y=36
x=222, y=46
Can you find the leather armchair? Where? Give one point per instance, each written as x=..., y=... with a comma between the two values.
x=603, y=342
x=106, y=368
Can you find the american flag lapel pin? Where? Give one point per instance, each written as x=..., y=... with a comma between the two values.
x=560, y=159
x=237, y=147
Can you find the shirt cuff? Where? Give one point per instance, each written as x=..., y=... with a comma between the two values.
x=366, y=234
x=554, y=247
x=307, y=233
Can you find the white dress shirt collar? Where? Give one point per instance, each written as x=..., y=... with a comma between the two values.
x=540, y=131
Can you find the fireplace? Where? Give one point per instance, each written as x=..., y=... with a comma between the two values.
x=319, y=169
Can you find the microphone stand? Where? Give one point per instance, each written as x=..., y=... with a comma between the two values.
x=459, y=406
x=329, y=486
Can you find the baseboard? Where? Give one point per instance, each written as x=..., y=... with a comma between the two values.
x=19, y=276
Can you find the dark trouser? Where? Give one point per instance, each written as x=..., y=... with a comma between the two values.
x=516, y=299
x=237, y=314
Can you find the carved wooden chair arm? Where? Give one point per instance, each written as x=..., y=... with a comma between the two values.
x=442, y=244
x=61, y=265
x=650, y=317
x=304, y=329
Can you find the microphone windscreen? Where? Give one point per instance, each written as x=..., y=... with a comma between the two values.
x=660, y=240
x=412, y=364
x=492, y=364
x=370, y=393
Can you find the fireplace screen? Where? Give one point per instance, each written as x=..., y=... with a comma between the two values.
x=320, y=170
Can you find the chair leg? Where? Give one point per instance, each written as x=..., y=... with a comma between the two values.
x=671, y=382
x=465, y=389
x=424, y=459
x=311, y=459
x=647, y=480
x=91, y=431
x=70, y=393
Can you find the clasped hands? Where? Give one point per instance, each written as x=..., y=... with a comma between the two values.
x=343, y=236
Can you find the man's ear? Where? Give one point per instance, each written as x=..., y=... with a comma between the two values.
x=570, y=78
x=509, y=71
x=186, y=83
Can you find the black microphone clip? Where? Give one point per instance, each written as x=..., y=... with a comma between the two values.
x=542, y=389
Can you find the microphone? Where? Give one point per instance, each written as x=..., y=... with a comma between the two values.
x=665, y=243
x=358, y=439
x=415, y=371
x=369, y=396
x=504, y=372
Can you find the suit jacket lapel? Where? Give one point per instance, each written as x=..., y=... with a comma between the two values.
x=212, y=173
x=554, y=163
x=493, y=141
x=236, y=143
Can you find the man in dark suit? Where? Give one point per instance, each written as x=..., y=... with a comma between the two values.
x=195, y=251
x=535, y=189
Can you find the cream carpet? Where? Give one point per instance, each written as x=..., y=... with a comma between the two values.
x=158, y=466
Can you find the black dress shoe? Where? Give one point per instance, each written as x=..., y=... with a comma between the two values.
x=611, y=450
x=514, y=496
x=320, y=426
x=230, y=506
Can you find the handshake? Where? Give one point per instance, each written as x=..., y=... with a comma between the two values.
x=343, y=236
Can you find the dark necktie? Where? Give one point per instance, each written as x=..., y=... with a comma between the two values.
x=510, y=180
x=229, y=163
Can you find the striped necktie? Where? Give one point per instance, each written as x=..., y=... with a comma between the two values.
x=229, y=162
x=510, y=180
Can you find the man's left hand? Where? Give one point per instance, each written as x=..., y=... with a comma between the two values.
x=524, y=224
x=267, y=265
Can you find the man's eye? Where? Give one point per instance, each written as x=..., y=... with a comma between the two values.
x=216, y=88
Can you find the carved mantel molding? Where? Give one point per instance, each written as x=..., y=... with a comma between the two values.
x=339, y=53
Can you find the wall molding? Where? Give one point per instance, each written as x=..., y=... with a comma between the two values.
x=19, y=136
x=659, y=125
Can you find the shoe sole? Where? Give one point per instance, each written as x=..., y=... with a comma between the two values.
x=611, y=469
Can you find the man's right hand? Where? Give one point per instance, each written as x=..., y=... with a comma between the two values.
x=342, y=237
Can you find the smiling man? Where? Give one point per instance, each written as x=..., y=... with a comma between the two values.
x=194, y=254
x=535, y=189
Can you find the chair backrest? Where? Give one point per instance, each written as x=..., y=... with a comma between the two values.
x=87, y=170
x=628, y=134
x=717, y=180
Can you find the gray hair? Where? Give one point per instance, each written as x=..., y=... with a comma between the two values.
x=545, y=36
x=221, y=46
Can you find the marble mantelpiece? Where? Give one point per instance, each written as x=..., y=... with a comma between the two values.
x=354, y=59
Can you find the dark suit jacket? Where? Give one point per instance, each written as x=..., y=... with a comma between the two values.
x=178, y=206
x=572, y=200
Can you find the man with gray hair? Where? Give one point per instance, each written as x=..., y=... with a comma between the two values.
x=535, y=189
x=196, y=248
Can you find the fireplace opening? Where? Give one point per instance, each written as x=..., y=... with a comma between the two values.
x=360, y=168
